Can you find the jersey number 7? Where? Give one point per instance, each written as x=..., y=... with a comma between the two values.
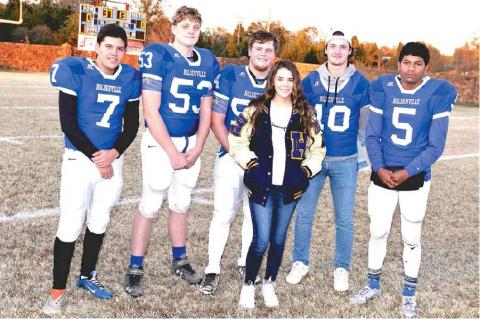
x=114, y=101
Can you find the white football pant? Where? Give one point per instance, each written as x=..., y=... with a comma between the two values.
x=229, y=193
x=381, y=206
x=159, y=177
x=84, y=194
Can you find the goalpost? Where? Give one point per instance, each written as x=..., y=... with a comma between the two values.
x=20, y=19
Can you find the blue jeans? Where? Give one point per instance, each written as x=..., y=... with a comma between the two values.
x=343, y=184
x=270, y=226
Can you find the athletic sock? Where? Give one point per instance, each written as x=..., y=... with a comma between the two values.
x=410, y=286
x=374, y=278
x=91, y=248
x=136, y=261
x=177, y=252
x=62, y=257
x=55, y=293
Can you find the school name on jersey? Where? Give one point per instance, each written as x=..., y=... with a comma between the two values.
x=397, y=100
x=331, y=99
x=197, y=73
x=252, y=95
x=109, y=88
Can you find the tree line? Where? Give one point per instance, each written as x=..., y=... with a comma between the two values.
x=56, y=22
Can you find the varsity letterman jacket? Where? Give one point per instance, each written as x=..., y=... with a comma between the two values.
x=254, y=153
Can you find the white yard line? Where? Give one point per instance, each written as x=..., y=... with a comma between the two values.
x=126, y=201
x=27, y=107
x=30, y=86
x=36, y=94
x=13, y=139
x=463, y=128
x=9, y=140
x=465, y=117
x=25, y=137
x=453, y=157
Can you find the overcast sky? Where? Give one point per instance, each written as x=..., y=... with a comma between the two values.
x=444, y=24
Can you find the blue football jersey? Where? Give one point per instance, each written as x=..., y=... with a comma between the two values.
x=181, y=82
x=234, y=88
x=408, y=128
x=339, y=116
x=101, y=98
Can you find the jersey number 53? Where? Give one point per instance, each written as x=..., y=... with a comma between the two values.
x=175, y=91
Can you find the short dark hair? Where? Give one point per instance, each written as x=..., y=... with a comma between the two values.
x=416, y=49
x=112, y=30
x=262, y=36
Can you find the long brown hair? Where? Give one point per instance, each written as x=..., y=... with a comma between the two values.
x=300, y=104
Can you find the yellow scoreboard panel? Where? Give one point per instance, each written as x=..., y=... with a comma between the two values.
x=92, y=18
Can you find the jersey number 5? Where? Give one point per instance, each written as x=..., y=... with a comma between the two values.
x=236, y=102
x=114, y=101
x=402, y=126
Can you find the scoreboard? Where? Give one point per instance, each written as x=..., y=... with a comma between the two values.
x=92, y=18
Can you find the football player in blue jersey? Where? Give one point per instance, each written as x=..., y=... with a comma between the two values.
x=340, y=96
x=98, y=103
x=235, y=87
x=406, y=133
x=177, y=96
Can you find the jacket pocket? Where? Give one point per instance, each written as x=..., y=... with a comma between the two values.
x=252, y=178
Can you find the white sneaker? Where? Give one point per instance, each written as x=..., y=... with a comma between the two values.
x=299, y=270
x=364, y=295
x=247, y=297
x=53, y=306
x=340, y=279
x=409, y=306
x=268, y=292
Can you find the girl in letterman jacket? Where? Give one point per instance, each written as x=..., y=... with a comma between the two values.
x=277, y=140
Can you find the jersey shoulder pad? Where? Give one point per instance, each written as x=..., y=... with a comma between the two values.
x=155, y=48
x=131, y=72
x=313, y=75
x=209, y=61
x=377, y=93
x=310, y=79
x=229, y=72
x=207, y=56
x=360, y=78
x=444, y=96
x=379, y=84
x=133, y=81
x=153, y=58
x=205, y=53
x=361, y=83
x=65, y=74
x=444, y=88
x=155, y=53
